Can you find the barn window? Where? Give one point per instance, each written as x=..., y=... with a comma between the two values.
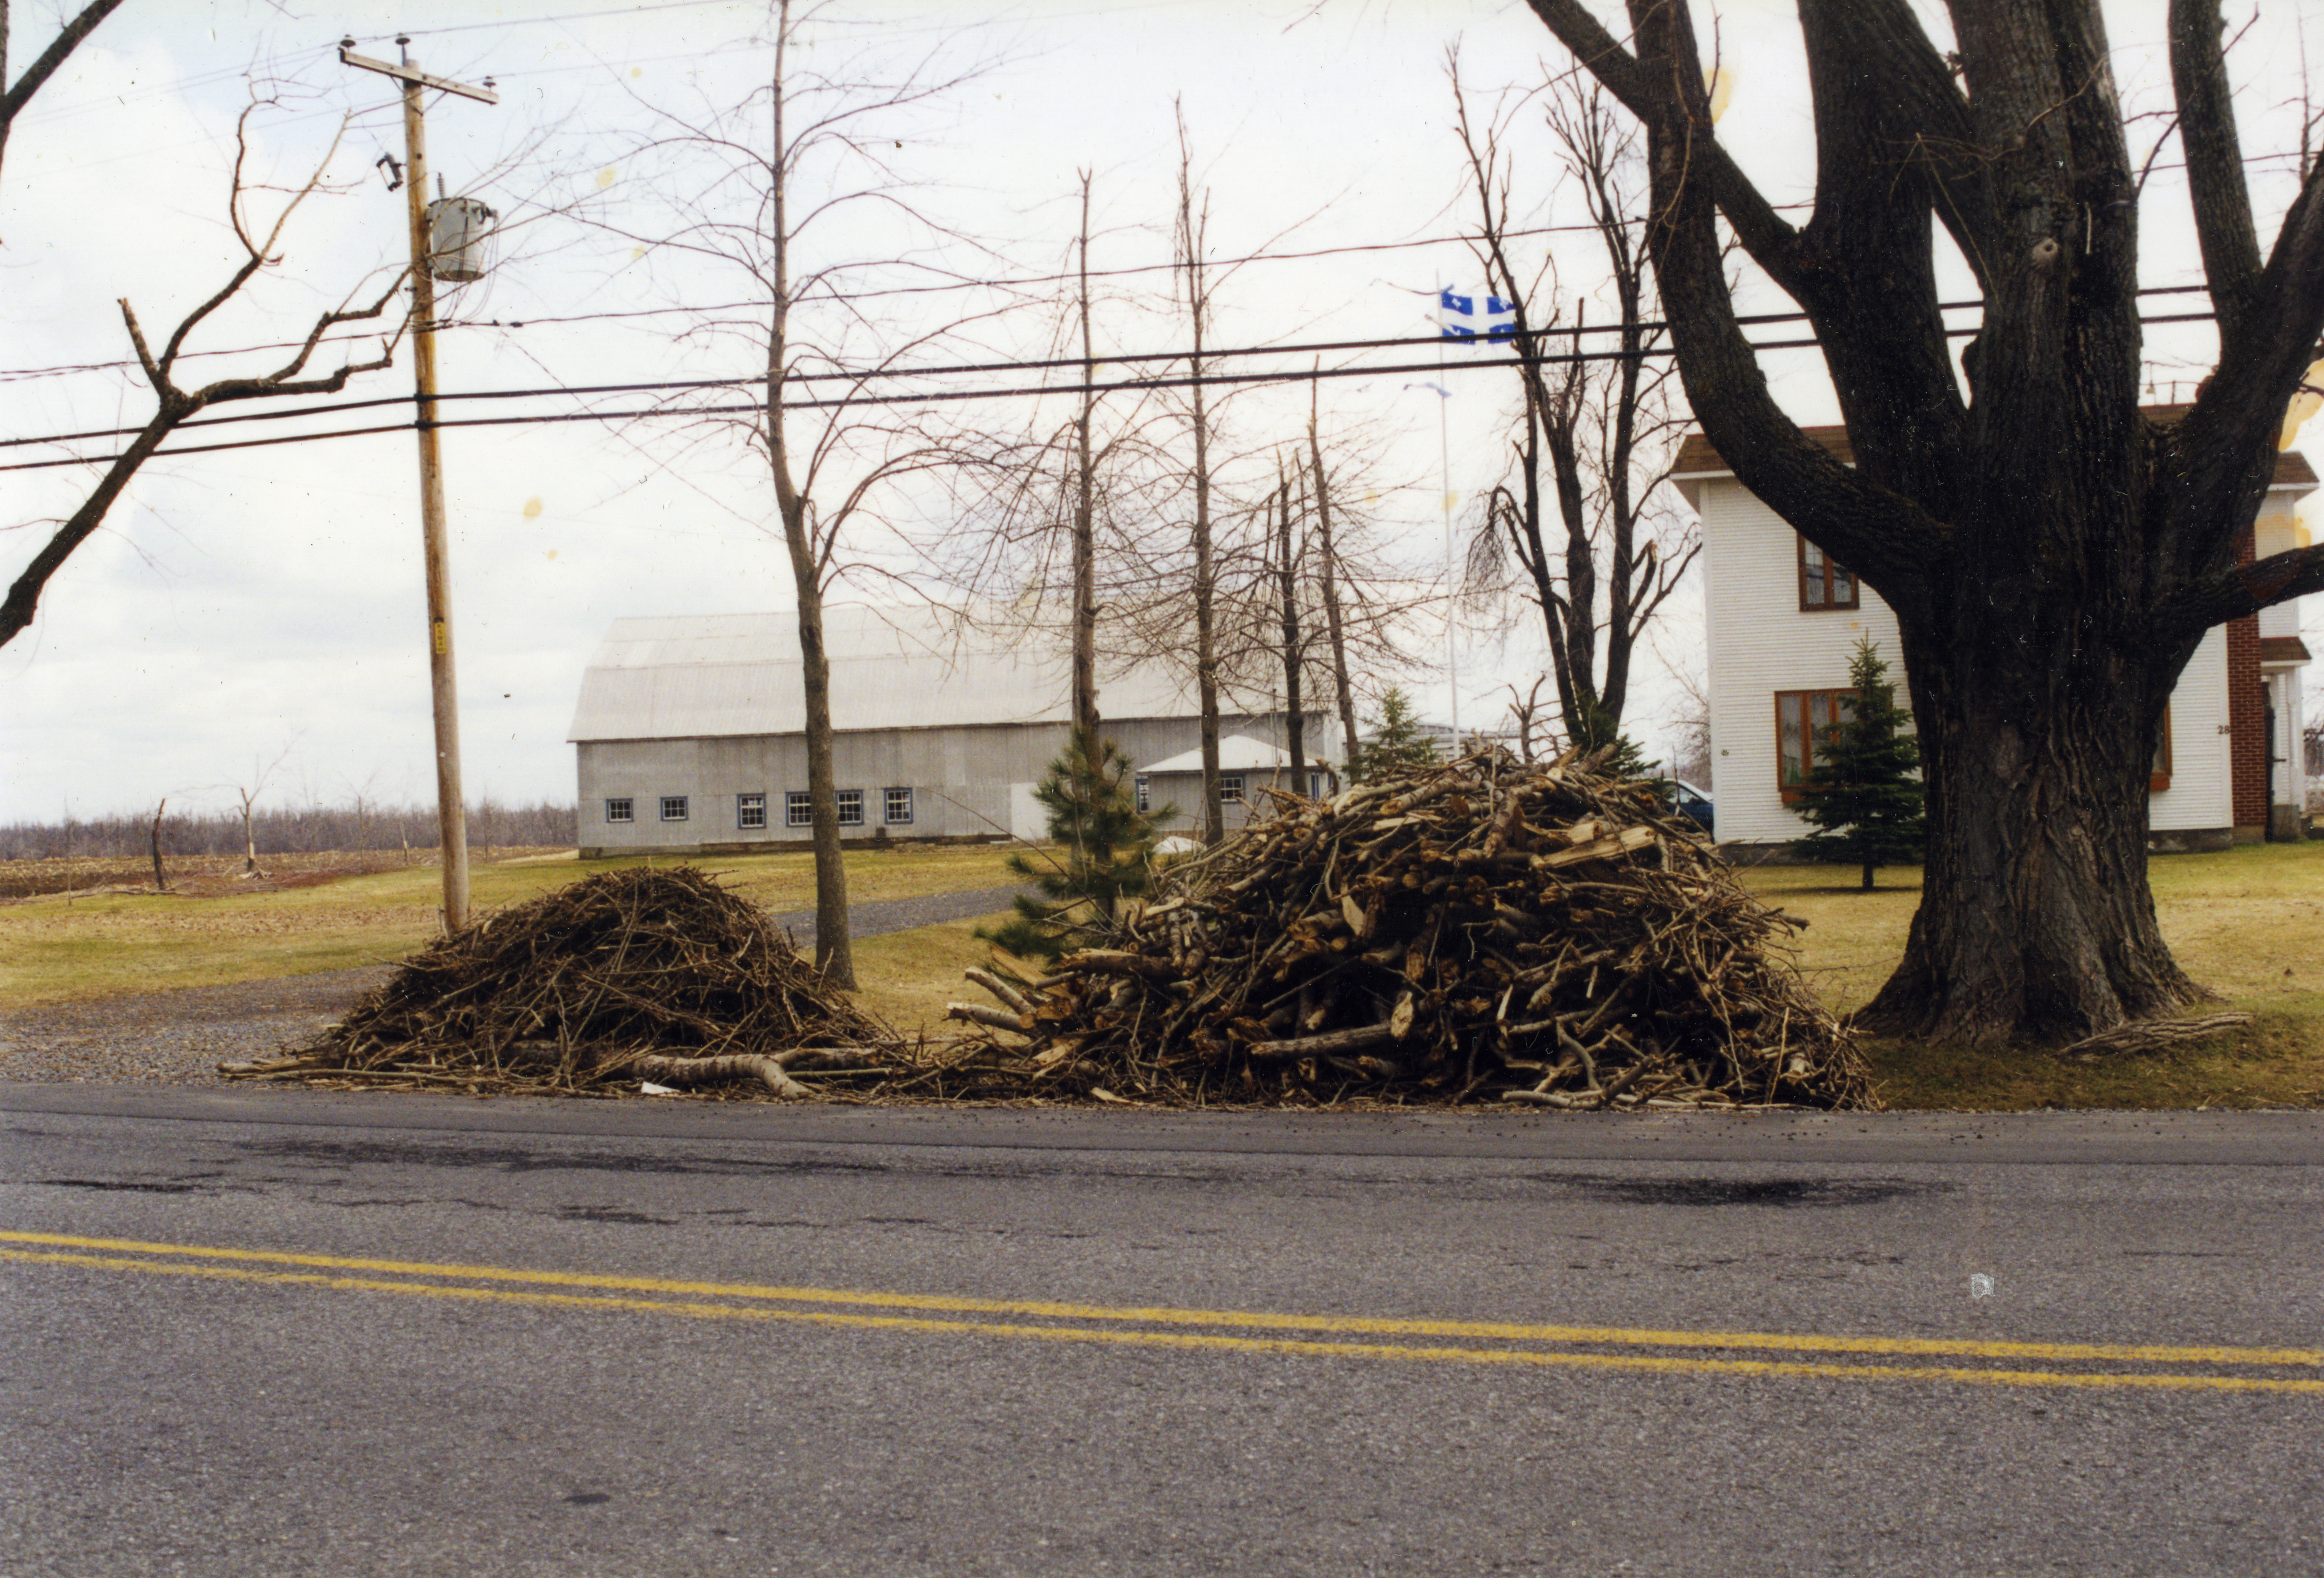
x=673, y=807
x=797, y=810
x=750, y=810
x=1231, y=788
x=623, y=809
x=850, y=807
x=896, y=805
x=1823, y=582
x=2158, y=772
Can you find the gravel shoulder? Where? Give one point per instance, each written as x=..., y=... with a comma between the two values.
x=179, y=1037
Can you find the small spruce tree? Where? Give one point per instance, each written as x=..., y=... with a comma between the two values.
x=1396, y=744
x=1600, y=729
x=1108, y=844
x=1863, y=791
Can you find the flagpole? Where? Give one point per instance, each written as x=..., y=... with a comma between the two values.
x=1445, y=477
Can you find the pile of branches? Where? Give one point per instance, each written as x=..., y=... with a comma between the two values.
x=635, y=976
x=1479, y=931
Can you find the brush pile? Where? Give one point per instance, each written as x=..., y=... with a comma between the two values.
x=1479, y=930
x=633, y=975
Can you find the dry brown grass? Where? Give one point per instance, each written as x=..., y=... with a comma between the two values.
x=2248, y=923
x=82, y=947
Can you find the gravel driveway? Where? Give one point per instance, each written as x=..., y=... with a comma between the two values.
x=179, y=1037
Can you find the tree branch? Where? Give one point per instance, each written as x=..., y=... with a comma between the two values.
x=2242, y=589
x=67, y=40
x=2215, y=160
x=1770, y=239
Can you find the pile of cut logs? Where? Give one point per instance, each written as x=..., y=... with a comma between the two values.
x=1478, y=931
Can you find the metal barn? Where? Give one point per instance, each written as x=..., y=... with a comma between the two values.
x=689, y=735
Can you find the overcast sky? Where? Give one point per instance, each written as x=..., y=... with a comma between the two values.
x=245, y=603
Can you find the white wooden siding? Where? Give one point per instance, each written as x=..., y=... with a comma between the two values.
x=1761, y=643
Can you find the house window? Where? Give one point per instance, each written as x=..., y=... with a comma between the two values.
x=673, y=807
x=1823, y=582
x=624, y=809
x=1231, y=788
x=2158, y=774
x=895, y=807
x=797, y=811
x=1145, y=799
x=1315, y=785
x=850, y=807
x=750, y=810
x=1805, y=720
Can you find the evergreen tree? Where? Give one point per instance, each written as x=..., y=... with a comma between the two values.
x=1396, y=744
x=1107, y=842
x=1601, y=728
x=1864, y=789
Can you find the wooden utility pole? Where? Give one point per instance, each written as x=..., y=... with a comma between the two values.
x=450, y=814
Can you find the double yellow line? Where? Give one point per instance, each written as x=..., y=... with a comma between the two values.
x=1604, y=1348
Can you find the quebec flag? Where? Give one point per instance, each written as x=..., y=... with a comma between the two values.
x=1457, y=317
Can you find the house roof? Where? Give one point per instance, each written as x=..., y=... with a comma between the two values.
x=1237, y=753
x=1697, y=458
x=727, y=674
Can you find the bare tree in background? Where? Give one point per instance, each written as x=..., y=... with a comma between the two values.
x=1192, y=245
x=1055, y=527
x=758, y=181
x=1597, y=549
x=174, y=405
x=1524, y=712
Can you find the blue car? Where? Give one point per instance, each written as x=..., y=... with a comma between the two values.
x=1692, y=803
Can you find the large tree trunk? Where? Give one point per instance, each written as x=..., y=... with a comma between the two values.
x=2052, y=557
x=2035, y=915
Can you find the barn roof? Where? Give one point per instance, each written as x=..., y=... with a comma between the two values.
x=694, y=676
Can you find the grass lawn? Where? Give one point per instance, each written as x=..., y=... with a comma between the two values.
x=68, y=948
x=2248, y=923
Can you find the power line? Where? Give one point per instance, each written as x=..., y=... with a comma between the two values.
x=1566, y=331
x=932, y=397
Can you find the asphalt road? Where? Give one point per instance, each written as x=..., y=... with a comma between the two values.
x=247, y=1332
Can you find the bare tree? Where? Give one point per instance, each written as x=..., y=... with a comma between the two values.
x=2042, y=504
x=1603, y=419
x=1295, y=647
x=154, y=833
x=173, y=405
x=247, y=794
x=759, y=182
x=15, y=96
x=1192, y=242
x=1328, y=576
x=1524, y=712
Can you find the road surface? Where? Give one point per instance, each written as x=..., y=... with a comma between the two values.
x=249, y=1332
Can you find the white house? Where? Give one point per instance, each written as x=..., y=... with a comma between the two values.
x=1783, y=622
x=689, y=734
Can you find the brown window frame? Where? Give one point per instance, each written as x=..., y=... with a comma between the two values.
x=1832, y=571
x=2158, y=774
x=1789, y=792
